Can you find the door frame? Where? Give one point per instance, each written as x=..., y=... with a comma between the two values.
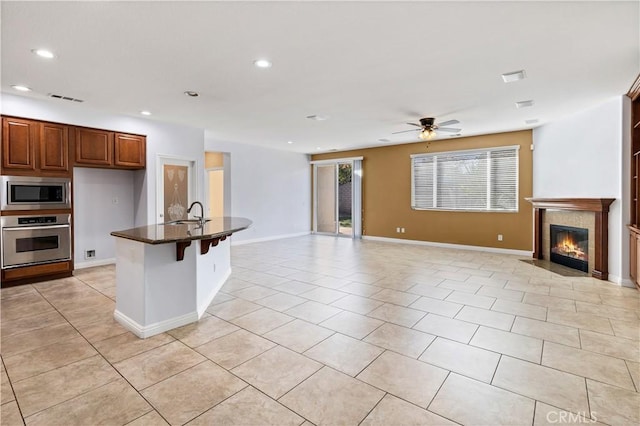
x=356, y=194
x=173, y=160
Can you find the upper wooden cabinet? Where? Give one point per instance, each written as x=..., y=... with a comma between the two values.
x=19, y=144
x=54, y=147
x=101, y=148
x=130, y=151
x=32, y=147
x=38, y=148
x=94, y=147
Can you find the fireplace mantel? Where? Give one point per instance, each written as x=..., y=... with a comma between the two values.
x=600, y=206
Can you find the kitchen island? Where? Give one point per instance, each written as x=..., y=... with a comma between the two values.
x=167, y=274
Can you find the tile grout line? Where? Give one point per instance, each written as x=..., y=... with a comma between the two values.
x=98, y=354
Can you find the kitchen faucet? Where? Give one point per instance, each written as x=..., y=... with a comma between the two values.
x=201, y=217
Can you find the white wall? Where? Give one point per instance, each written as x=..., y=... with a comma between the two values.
x=583, y=156
x=162, y=138
x=103, y=202
x=268, y=186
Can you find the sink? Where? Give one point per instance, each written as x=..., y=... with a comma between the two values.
x=187, y=222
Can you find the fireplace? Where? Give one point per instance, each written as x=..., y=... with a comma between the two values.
x=599, y=261
x=569, y=246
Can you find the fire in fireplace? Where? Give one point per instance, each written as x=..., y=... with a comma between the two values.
x=570, y=247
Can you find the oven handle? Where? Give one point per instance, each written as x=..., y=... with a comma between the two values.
x=33, y=228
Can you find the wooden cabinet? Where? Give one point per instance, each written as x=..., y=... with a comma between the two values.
x=634, y=253
x=94, y=147
x=19, y=144
x=54, y=147
x=101, y=148
x=34, y=148
x=130, y=151
x=634, y=228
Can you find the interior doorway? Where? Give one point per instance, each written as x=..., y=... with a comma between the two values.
x=337, y=200
x=218, y=186
x=216, y=193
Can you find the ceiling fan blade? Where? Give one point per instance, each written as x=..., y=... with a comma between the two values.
x=448, y=123
x=414, y=124
x=449, y=129
x=405, y=131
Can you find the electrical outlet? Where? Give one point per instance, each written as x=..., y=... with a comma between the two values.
x=398, y=230
x=499, y=237
x=402, y=230
x=89, y=254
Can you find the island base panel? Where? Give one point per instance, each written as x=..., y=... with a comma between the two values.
x=155, y=293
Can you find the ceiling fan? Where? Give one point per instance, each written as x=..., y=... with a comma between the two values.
x=428, y=127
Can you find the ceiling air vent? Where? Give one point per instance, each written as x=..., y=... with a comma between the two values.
x=65, y=98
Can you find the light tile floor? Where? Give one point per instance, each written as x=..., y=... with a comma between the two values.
x=332, y=331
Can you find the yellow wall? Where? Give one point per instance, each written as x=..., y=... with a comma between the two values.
x=213, y=159
x=386, y=193
x=216, y=193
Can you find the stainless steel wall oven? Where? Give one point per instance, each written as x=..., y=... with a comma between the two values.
x=35, y=239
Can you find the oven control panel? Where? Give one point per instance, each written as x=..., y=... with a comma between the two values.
x=34, y=220
x=37, y=220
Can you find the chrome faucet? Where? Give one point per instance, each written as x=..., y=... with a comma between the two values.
x=201, y=217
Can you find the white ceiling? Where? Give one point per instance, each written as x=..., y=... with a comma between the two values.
x=369, y=66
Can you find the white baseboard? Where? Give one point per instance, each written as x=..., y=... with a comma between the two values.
x=450, y=246
x=153, y=329
x=624, y=282
x=271, y=238
x=207, y=300
x=92, y=263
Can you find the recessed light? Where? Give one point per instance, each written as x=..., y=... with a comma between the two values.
x=145, y=112
x=191, y=93
x=43, y=53
x=318, y=148
x=384, y=140
x=289, y=142
x=262, y=63
x=510, y=77
x=524, y=104
x=532, y=121
x=21, y=88
x=318, y=117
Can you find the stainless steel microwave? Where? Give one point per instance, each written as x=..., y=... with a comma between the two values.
x=35, y=193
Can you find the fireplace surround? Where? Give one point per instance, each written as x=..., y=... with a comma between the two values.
x=600, y=209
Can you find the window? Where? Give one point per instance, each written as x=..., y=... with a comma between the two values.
x=476, y=180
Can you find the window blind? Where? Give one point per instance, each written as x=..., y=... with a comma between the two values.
x=477, y=180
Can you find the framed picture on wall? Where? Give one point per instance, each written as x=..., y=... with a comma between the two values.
x=176, y=187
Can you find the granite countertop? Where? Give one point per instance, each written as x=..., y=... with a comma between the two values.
x=162, y=233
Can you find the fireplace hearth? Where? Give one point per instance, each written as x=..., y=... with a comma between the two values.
x=570, y=247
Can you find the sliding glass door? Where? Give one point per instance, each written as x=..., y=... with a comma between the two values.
x=337, y=204
x=326, y=199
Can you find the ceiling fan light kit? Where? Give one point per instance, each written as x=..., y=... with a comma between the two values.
x=427, y=134
x=428, y=128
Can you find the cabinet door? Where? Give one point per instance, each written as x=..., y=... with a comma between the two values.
x=633, y=256
x=94, y=147
x=637, y=260
x=19, y=144
x=130, y=151
x=54, y=147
